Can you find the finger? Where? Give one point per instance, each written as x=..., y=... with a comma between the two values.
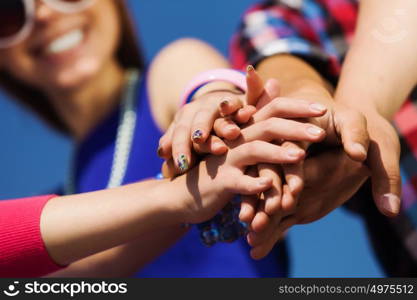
x=249, y=203
x=248, y=185
x=264, y=248
x=289, y=203
x=230, y=105
x=261, y=220
x=243, y=115
x=248, y=208
x=262, y=152
x=226, y=128
x=386, y=179
x=255, y=86
x=272, y=91
x=165, y=143
x=287, y=223
x=272, y=197
x=213, y=145
x=181, y=142
x=275, y=129
x=294, y=174
x=289, y=108
x=353, y=131
x=255, y=238
x=168, y=169
x=202, y=123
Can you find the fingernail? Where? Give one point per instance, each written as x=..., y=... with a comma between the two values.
x=197, y=135
x=318, y=107
x=250, y=68
x=230, y=127
x=224, y=104
x=217, y=146
x=292, y=183
x=264, y=181
x=251, y=237
x=183, y=164
x=243, y=211
x=315, y=131
x=360, y=148
x=295, y=152
x=159, y=151
x=391, y=203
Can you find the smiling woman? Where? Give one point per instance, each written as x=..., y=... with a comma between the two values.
x=49, y=63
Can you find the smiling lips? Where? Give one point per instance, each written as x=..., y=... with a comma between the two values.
x=65, y=42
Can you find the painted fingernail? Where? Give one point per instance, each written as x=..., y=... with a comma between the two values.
x=391, y=203
x=183, y=164
x=360, y=148
x=294, y=152
x=224, y=104
x=318, y=107
x=197, y=135
x=315, y=131
x=159, y=151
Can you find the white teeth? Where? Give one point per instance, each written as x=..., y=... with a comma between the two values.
x=66, y=42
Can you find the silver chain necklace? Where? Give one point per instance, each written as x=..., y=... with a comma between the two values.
x=124, y=137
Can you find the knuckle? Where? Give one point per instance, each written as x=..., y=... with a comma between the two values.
x=203, y=112
x=277, y=105
x=250, y=149
x=269, y=126
x=393, y=176
x=181, y=128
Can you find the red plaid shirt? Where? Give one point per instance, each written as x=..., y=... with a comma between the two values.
x=319, y=31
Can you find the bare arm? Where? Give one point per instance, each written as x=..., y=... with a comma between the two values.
x=381, y=67
x=379, y=73
x=170, y=71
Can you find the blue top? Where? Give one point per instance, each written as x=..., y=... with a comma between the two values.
x=187, y=258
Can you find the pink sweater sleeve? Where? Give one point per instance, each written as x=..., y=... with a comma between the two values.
x=22, y=250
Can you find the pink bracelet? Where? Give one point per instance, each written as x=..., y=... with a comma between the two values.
x=228, y=75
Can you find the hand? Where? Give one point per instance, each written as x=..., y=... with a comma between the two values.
x=331, y=179
x=193, y=124
x=256, y=145
x=343, y=126
x=384, y=162
x=219, y=111
x=218, y=178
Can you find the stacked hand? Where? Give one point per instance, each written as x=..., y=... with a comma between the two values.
x=223, y=120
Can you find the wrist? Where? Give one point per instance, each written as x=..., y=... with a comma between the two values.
x=310, y=90
x=199, y=195
x=229, y=76
x=216, y=87
x=170, y=209
x=365, y=107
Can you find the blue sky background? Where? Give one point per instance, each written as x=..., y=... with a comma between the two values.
x=35, y=160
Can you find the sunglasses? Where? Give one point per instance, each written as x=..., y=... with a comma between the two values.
x=17, y=17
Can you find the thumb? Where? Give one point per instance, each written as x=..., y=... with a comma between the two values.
x=352, y=128
x=386, y=179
